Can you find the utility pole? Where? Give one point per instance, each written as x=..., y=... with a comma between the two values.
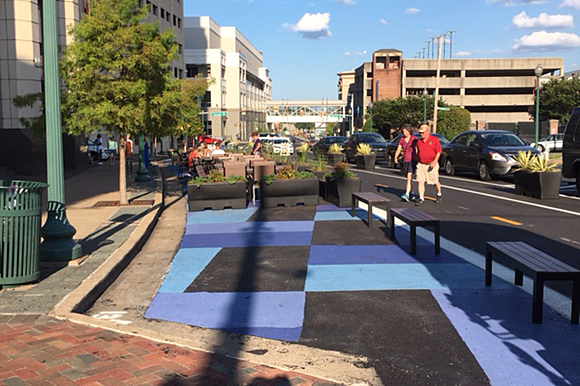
x=428, y=49
x=437, y=85
x=450, y=43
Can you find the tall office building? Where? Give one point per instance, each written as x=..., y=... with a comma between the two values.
x=21, y=70
x=235, y=104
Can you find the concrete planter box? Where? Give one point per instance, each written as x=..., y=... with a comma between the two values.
x=365, y=162
x=289, y=193
x=339, y=191
x=542, y=185
x=218, y=195
x=333, y=159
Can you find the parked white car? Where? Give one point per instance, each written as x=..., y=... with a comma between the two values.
x=552, y=142
x=282, y=146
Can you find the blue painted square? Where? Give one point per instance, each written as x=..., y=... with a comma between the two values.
x=277, y=315
x=221, y=216
x=185, y=267
x=365, y=277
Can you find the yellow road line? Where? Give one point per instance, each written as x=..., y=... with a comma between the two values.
x=506, y=220
x=430, y=198
x=382, y=185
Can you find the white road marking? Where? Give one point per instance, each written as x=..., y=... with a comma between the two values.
x=570, y=241
x=493, y=196
x=113, y=316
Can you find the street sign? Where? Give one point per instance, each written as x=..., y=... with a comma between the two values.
x=336, y=116
x=443, y=108
x=220, y=114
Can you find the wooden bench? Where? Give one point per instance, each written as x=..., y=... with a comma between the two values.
x=539, y=266
x=372, y=199
x=415, y=218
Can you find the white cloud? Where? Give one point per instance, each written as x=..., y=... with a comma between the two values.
x=570, y=3
x=462, y=53
x=383, y=21
x=547, y=41
x=349, y=53
x=412, y=11
x=348, y=2
x=510, y=3
x=543, y=21
x=312, y=25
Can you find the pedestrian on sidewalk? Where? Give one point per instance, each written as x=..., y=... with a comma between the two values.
x=99, y=149
x=129, y=153
x=428, y=150
x=257, y=146
x=113, y=147
x=406, y=147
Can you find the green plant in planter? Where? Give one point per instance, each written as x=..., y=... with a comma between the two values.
x=335, y=148
x=319, y=163
x=288, y=173
x=533, y=163
x=303, y=148
x=364, y=149
x=341, y=172
x=217, y=176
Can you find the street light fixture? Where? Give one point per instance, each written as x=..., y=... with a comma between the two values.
x=538, y=71
x=425, y=93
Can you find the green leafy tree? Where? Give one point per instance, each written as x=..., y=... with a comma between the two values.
x=558, y=98
x=393, y=114
x=452, y=122
x=118, y=77
x=329, y=128
x=35, y=123
x=305, y=126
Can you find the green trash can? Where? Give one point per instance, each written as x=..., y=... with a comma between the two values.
x=20, y=215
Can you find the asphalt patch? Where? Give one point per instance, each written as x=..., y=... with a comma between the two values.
x=404, y=333
x=254, y=269
x=345, y=232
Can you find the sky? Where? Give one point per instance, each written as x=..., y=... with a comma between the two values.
x=305, y=43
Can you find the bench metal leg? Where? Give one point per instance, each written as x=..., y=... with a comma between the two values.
x=391, y=226
x=488, y=268
x=437, y=239
x=519, y=277
x=370, y=214
x=538, y=300
x=413, y=239
x=575, y=302
x=390, y=222
x=353, y=207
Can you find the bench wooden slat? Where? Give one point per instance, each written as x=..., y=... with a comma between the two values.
x=540, y=266
x=533, y=257
x=414, y=218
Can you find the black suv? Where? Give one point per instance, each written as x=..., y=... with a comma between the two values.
x=375, y=140
x=571, y=148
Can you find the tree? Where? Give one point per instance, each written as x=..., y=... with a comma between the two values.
x=118, y=78
x=329, y=130
x=558, y=98
x=452, y=122
x=304, y=126
x=392, y=114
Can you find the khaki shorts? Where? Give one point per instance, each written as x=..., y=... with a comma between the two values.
x=432, y=177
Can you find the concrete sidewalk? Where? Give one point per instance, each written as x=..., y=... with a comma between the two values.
x=37, y=348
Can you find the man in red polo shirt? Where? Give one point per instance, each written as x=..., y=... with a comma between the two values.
x=428, y=151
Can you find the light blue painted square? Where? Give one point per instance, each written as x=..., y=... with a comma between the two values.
x=368, y=277
x=221, y=216
x=185, y=267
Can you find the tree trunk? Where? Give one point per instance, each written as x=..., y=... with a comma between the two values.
x=122, y=171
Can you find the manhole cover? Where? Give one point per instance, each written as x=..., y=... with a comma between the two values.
x=132, y=203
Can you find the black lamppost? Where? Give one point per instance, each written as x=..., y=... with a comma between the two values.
x=538, y=71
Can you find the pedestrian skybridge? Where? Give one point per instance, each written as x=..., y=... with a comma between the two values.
x=317, y=111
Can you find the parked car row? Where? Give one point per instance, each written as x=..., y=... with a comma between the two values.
x=571, y=148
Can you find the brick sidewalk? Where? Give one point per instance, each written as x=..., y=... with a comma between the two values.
x=39, y=350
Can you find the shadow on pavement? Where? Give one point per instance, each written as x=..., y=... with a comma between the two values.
x=495, y=321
